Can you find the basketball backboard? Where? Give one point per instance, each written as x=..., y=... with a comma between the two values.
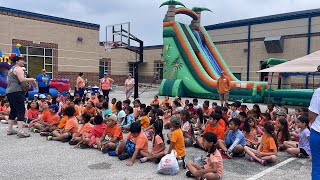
x=119, y=34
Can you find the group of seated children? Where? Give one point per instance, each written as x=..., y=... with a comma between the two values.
x=223, y=132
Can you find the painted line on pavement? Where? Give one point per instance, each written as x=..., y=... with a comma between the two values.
x=262, y=173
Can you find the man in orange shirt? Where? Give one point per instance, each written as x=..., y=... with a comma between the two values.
x=223, y=87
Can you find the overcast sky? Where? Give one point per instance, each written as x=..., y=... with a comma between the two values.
x=146, y=16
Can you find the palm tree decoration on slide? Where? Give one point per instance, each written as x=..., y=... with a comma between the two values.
x=196, y=23
x=170, y=16
x=176, y=64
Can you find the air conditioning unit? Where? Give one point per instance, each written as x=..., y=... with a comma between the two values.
x=274, y=44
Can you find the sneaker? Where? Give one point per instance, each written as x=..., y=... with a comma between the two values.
x=36, y=130
x=105, y=150
x=123, y=157
x=229, y=155
x=143, y=160
x=50, y=138
x=72, y=143
x=12, y=132
x=84, y=146
x=45, y=134
x=189, y=174
x=23, y=135
x=196, y=145
x=95, y=146
x=251, y=159
x=168, y=141
x=263, y=162
x=157, y=161
x=242, y=154
x=301, y=155
x=4, y=121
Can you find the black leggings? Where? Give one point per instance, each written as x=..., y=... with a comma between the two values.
x=16, y=101
x=106, y=94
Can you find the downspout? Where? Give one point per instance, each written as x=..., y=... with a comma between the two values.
x=308, y=47
x=248, y=52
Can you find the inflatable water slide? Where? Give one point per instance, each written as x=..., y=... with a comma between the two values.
x=192, y=63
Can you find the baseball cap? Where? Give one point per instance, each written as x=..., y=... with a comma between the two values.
x=35, y=95
x=54, y=107
x=42, y=96
x=281, y=113
x=112, y=117
x=175, y=121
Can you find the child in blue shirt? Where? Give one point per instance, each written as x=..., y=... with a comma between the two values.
x=128, y=120
x=235, y=140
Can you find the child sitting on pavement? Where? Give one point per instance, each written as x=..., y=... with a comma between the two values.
x=111, y=135
x=176, y=139
x=158, y=146
x=49, y=122
x=267, y=149
x=70, y=128
x=85, y=128
x=89, y=139
x=303, y=149
x=135, y=143
x=212, y=169
x=235, y=140
x=128, y=120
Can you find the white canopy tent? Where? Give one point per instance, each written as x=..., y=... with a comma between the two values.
x=305, y=64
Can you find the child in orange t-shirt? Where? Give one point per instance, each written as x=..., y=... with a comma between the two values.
x=158, y=147
x=85, y=128
x=144, y=121
x=176, y=139
x=213, y=167
x=213, y=127
x=51, y=123
x=267, y=149
x=90, y=109
x=33, y=112
x=111, y=135
x=44, y=117
x=5, y=110
x=165, y=101
x=155, y=101
x=70, y=128
x=135, y=143
x=113, y=107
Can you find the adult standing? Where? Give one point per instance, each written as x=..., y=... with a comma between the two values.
x=223, y=87
x=80, y=85
x=129, y=86
x=314, y=119
x=16, y=81
x=43, y=81
x=105, y=84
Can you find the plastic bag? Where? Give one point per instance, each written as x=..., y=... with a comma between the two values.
x=168, y=164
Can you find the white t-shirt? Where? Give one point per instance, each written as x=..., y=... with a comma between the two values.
x=121, y=114
x=315, y=107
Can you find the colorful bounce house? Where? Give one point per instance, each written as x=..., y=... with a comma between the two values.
x=192, y=64
x=62, y=85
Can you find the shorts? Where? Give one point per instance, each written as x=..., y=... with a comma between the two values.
x=130, y=147
x=16, y=102
x=302, y=151
x=224, y=97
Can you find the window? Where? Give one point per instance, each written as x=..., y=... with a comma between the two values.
x=159, y=71
x=103, y=67
x=131, y=68
x=37, y=59
x=237, y=75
